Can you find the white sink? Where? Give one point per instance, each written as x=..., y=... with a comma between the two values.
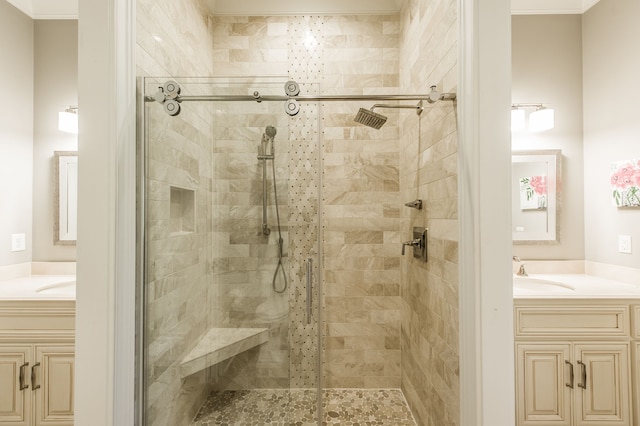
x=66, y=287
x=538, y=285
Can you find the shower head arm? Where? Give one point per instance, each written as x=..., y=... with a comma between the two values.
x=419, y=108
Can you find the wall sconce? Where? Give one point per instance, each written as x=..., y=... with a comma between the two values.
x=68, y=120
x=517, y=119
x=539, y=120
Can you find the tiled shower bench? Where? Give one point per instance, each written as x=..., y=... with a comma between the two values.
x=220, y=344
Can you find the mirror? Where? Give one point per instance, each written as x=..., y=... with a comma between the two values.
x=65, y=197
x=535, y=177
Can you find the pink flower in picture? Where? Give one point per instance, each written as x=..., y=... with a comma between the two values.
x=625, y=181
x=533, y=193
x=622, y=179
x=539, y=184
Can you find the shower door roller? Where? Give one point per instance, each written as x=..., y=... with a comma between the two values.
x=171, y=107
x=171, y=89
x=291, y=88
x=291, y=107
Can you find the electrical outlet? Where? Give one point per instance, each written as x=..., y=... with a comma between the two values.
x=18, y=242
x=624, y=244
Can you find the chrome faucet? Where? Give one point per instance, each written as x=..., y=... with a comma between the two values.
x=521, y=272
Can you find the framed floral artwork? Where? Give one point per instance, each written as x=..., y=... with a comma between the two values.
x=533, y=193
x=625, y=183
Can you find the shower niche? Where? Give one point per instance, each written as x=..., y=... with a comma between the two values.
x=182, y=212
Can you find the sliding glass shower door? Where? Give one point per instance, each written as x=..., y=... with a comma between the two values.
x=230, y=211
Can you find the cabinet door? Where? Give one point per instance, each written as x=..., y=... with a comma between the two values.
x=54, y=374
x=543, y=379
x=603, y=391
x=15, y=407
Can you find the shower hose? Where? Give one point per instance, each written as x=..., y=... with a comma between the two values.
x=280, y=266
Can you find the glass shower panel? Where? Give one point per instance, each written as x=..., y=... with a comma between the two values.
x=231, y=236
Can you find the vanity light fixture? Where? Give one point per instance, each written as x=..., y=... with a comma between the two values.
x=539, y=120
x=517, y=119
x=68, y=120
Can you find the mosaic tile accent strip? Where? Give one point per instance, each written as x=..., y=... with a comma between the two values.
x=306, y=56
x=303, y=240
x=280, y=407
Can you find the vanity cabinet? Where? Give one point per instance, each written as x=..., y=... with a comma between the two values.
x=573, y=384
x=36, y=363
x=36, y=385
x=572, y=364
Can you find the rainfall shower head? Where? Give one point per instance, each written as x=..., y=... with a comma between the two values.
x=375, y=120
x=370, y=118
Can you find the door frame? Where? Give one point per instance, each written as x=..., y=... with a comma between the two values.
x=106, y=324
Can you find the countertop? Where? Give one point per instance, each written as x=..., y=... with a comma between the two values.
x=39, y=287
x=572, y=286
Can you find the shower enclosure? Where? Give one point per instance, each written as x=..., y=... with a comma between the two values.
x=231, y=274
x=231, y=207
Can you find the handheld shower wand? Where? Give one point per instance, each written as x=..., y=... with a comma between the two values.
x=268, y=136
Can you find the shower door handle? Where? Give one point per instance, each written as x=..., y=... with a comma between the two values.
x=309, y=288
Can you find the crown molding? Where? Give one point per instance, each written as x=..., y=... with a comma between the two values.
x=68, y=9
x=47, y=9
x=304, y=7
x=551, y=7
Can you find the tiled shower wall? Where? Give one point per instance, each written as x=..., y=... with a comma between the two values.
x=344, y=55
x=361, y=207
x=430, y=372
x=366, y=321
x=173, y=39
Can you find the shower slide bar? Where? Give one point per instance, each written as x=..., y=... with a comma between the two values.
x=169, y=95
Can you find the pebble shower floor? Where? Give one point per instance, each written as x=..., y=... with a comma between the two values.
x=344, y=407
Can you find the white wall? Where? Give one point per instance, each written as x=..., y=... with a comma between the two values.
x=16, y=131
x=56, y=88
x=547, y=68
x=611, y=36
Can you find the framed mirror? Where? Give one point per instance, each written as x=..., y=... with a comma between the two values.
x=65, y=198
x=535, y=178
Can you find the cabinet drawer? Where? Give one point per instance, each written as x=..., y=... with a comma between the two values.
x=572, y=321
x=36, y=321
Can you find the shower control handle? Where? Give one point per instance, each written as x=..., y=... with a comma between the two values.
x=418, y=243
x=414, y=243
x=309, y=288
